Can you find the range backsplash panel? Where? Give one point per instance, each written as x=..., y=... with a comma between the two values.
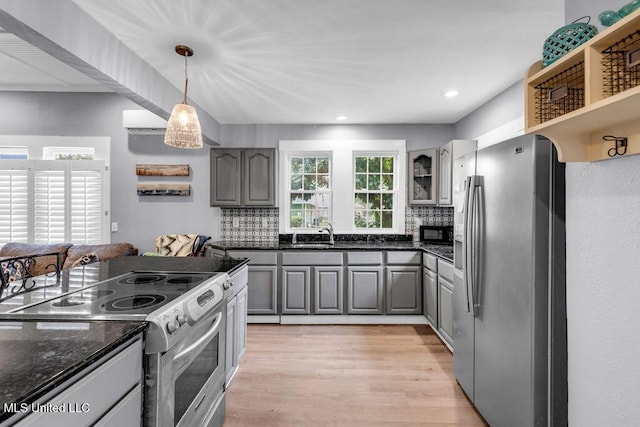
x=251, y=223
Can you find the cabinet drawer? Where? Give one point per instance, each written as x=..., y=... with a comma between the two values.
x=404, y=257
x=256, y=257
x=445, y=269
x=127, y=412
x=101, y=389
x=430, y=261
x=311, y=258
x=364, y=258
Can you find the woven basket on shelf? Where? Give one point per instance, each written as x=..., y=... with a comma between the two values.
x=565, y=39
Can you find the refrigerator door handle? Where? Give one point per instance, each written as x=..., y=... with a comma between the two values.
x=477, y=219
x=467, y=242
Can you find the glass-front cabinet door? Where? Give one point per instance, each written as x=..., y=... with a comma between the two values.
x=423, y=177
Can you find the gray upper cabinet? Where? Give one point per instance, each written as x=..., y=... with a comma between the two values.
x=423, y=177
x=226, y=177
x=243, y=177
x=444, y=176
x=258, y=186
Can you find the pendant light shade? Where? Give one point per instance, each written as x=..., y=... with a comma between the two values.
x=183, y=127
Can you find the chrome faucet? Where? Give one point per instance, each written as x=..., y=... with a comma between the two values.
x=328, y=228
x=294, y=239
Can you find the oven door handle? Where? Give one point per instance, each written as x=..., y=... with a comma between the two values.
x=202, y=340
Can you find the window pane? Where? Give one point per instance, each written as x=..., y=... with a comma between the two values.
x=323, y=165
x=387, y=164
x=296, y=165
x=359, y=220
x=323, y=182
x=361, y=164
x=373, y=220
x=296, y=201
x=309, y=182
x=296, y=182
x=387, y=201
x=309, y=165
x=296, y=218
x=387, y=219
x=361, y=181
x=374, y=182
x=360, y=201
x=320, y=200
x=387, y=182
x=374, y=201
x=374, y=164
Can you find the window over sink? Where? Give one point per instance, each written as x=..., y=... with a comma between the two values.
x=356, y=185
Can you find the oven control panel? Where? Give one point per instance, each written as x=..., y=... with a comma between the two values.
x=173, y=321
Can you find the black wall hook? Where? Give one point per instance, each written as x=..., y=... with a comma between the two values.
x=620, y=148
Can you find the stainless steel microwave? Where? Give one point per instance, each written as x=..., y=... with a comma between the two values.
x=437, y=234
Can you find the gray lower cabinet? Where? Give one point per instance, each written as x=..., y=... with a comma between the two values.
x=296, y=288
x=365, y=290
x=262, y=297
x=243, y=177
x=236, y=333
x=445, y=300
x=111, y=390
x=328, y=290
x=445, y=313
x=404, y=290
x=430, y=294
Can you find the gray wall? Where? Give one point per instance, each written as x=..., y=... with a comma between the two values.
x=417, y=136
x=140, y=219
x=603, y=265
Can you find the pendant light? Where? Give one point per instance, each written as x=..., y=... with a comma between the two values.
x=183, y=128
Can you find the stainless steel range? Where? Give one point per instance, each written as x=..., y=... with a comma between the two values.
x=184, y=343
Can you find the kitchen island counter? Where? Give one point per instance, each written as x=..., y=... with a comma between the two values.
x=39, y=356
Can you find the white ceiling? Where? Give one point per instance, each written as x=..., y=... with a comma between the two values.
x=308, y=61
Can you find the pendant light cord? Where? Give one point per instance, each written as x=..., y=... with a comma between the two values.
x=186, y=80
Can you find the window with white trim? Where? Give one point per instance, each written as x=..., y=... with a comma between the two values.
x=309, y=191
x=53, y=201
x=374, y=191
x=362, y=189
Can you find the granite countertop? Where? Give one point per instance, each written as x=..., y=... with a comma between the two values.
x=36, y=358
x=443, y=251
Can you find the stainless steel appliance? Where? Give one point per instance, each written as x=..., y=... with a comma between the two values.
x=509, y=327
x=436, y=234
x=184, y=343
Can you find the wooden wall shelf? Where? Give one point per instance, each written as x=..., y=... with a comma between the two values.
x=578, y=134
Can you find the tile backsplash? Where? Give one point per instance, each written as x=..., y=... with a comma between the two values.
x=254, y=225
x=260, y=225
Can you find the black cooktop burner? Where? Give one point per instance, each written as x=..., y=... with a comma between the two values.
x=181, y=280
x=143, y=279
x=132, y=302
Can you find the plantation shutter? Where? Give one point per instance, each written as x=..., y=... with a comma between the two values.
x=87, y=211
x=49, y=206
x=14, y=203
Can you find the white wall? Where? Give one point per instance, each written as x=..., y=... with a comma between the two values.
x=603, y=280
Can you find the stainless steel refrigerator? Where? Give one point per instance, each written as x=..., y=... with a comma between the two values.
x=509, y=330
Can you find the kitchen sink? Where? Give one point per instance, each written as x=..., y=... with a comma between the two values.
x=312, y=245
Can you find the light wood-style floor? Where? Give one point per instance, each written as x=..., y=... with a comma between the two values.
x=342, y=375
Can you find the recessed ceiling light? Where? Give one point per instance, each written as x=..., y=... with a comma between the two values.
x=451, y=94
x=341, y=118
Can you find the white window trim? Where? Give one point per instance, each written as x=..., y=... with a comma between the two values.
x=342, y=180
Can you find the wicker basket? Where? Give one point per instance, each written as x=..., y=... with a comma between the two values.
x=565, y=39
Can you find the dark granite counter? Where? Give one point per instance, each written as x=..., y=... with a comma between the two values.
x=36, y=358
x=443, y=251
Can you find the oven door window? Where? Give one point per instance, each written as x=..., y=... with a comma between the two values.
x=191, y=380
